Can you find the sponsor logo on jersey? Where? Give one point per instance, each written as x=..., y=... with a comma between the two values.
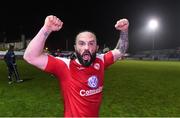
x=97, y=66
x=93, y=81
x=90, y=92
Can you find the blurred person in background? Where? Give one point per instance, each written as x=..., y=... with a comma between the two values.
x=10, y=59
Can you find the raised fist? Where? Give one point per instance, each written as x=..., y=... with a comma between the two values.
x=122, y=24
x=52, y=23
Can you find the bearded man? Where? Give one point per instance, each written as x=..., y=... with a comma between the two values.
x=81, y=78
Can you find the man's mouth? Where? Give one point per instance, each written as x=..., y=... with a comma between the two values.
x=86, y=56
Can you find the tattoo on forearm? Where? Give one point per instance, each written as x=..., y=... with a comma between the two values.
x=46, y=34
x=123, y=43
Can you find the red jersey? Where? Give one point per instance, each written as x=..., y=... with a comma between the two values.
x=81, y=87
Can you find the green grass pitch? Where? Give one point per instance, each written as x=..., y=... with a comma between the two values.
x=131, y=89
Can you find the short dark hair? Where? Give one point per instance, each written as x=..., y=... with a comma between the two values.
x=86, y=31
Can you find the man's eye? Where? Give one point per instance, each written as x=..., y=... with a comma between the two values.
x=81, y=43
x=92, y=43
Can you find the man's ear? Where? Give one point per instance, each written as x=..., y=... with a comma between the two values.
x=97, y=48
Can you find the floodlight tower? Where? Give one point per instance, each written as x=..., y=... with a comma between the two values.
x=153, y=26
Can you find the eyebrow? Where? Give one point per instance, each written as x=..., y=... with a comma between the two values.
x=89, y=41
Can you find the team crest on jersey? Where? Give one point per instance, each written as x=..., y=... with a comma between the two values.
x=97, y=66
x=93, y=81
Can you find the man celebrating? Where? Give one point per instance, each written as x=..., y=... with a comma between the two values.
x=81, y=79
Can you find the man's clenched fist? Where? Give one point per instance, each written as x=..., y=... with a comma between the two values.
x=52, y=23
x=122, y=25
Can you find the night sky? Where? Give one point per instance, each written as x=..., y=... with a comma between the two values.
x=98, y=16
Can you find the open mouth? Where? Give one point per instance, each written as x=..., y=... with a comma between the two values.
x=86, y=56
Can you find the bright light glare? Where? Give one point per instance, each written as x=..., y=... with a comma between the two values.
x=153, y=24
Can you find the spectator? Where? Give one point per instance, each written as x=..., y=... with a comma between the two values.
x=10, y=60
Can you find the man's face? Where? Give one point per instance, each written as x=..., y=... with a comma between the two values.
x=86, y=47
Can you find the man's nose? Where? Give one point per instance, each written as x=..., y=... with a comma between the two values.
x=86, y=47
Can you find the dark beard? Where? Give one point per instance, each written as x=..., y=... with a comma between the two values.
x=86, y=63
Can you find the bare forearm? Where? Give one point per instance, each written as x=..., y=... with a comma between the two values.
x=121, y=46
x=34, y=52
x=36, y=46
x=123, y=43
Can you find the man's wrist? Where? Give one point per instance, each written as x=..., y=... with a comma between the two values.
x=45, y=31
x=125, y=32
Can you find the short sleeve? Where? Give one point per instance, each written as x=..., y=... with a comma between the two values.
x=54, y=65
x=108, y=59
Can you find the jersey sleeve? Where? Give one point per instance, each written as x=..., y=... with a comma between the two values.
x=108, y=59
x=54, y=65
